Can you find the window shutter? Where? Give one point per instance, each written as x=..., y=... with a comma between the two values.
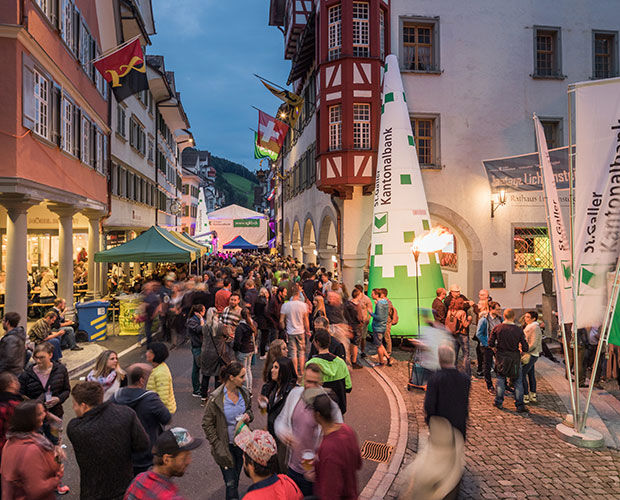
x=76, y=32
x=77, y=131
x=28, y=113
x=54, y=18
x=55, y=115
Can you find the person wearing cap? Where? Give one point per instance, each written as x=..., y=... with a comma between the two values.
x=259, y=461
x=171, y=456
x=455, y=293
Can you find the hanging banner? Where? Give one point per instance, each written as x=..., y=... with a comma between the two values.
x=560, y=245
x=597, y=195
x=400, y=212
x=523, y=172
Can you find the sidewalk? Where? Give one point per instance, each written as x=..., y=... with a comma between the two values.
x=513, y=456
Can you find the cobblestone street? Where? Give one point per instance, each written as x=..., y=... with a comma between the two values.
x=514, y=456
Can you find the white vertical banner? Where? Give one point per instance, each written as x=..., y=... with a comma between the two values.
x=560, y=245
x=597, y=195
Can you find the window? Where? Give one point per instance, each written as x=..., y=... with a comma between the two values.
x=605, y=54
x=547, y=61
x=553, y=131
x=137, y=136
x=86, y=141
x=420, y=45
x=448, y=257
x=361, y=45
x=381, y=34
x=68, y=111
x=334, y=32
x=41, y=99
x=87, y=50
x=120, y=120
x=185, y=189
x=100, y=152
x=532, y=249
x=335, y=127
x=151, y=149
x=68, y=27
x=49, y=9
x=361, y=126
x=424, y=134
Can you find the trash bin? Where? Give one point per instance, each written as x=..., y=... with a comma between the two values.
x=93, y=318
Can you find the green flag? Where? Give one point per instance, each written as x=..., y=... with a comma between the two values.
x=261, y=152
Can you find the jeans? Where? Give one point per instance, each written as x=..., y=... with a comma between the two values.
x=196, y=370
x=245, y=358
x=529, y=375
x=461, y=342
x=148, y=331
x=501, y=389
x=231, y=474
x=488, y=364
x=57, y=350
x=204, y=385
x=479, y=355
x=304, y=485
x=265, y=339
x=67, y=341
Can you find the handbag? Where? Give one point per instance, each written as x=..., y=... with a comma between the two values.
x=525, y=358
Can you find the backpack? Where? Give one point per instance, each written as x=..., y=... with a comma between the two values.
x=453, y=324
x=393, y=314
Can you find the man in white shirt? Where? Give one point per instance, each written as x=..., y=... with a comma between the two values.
x=294, y=317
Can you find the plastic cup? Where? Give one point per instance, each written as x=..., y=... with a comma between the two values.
x=307, y=459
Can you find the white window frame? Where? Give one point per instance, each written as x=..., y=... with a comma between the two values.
x=100, y=151
x=335, y=127
x=361, y=29
x=334, y=30
x=121, y=121
x=361, y=126
x=68, y=125
x=86, y=141
x=42, y=89
x=67, y=24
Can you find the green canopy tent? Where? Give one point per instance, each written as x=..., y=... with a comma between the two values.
x=154, y=245
x=187, y=239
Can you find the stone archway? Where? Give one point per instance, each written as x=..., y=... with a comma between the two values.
x=287, y=239
x=328, y=242
x=296, y=241
x=469, y=239
x=309, y=243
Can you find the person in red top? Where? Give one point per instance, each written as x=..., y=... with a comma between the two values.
x=171, y=456
x=338, y=458
x=259, y=462
x=222, y=296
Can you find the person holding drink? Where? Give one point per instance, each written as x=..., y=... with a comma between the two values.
x=272, y=398
x=229, y=405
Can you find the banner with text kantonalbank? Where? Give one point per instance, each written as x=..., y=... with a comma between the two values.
x=400, y=211
x=597, y=195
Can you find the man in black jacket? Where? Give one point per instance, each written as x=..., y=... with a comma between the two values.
x=447, y=391
x=152, y=413
x=12, y=345
x=506, y=339
x=104, y=437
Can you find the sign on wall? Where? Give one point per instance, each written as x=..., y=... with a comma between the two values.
x=246, y=223
x=522, y=173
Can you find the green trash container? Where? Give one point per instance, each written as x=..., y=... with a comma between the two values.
x=93, y=319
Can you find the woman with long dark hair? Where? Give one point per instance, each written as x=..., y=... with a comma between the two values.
x=262, y=322
x=244, y=344
x=228, y=405
x=277, y=349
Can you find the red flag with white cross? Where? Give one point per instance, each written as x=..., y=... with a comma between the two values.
x=271, y=132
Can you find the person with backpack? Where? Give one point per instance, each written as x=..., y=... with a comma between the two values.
x=392, y=321
x=457, y=323
x=486, y=323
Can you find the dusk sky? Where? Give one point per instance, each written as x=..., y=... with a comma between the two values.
x=214, y=48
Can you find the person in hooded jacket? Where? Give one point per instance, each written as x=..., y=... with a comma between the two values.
x=152, y=413
x=12, y=345
x=195, y=322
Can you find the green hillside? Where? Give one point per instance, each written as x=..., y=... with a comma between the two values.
x=241, y=183
x=235, y=181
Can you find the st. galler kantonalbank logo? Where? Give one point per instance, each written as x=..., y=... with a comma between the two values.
x=380, y=223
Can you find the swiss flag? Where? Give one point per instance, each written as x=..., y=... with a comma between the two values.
x=271, y=132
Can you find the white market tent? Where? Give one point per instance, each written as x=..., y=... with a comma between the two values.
x=234, y=220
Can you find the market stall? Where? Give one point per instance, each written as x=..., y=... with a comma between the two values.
x=234, y=220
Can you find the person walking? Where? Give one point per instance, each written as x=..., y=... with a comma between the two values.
x=506, y=338
x=222, y=296
x=228, y=405
x=262, y=321
x=244, y=344
x=297, y=428
x=338, y=326
x=457, y=323
x=259, y=449
x=356, y=317
x=379, y=324
x=151, y=412
x=12, y=345
x=366, y=304
x=273, y=312
x=46, y=381
x=31, y=467
x=150, y=307
x=172, y=456
x=104, y=437
x=338, y=458
x=485, y=327
x=533, y=336
x=194, y=325
x=294, y=318
x=108, y=373
x=160, y=379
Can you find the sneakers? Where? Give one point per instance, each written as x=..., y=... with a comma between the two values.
x=76, y=348
x=533, y=397
x=522, y=409
x=389, y=361
x=498, y=406
x=196, y=394
x=357, y=366
x=491, y=390
x=264, y=356
x=62, y=490
x=479, y=375
x=526, y=399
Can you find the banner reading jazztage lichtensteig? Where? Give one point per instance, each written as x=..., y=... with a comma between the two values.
x=597, y=196
x=522, y=172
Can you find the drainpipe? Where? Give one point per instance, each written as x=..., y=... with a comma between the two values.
x=333, y=199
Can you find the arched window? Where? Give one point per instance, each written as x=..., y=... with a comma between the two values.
x=448, y=257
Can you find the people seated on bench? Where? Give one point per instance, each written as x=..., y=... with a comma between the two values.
x=67, y=341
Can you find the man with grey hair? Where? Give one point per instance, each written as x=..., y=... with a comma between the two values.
x=447, y=392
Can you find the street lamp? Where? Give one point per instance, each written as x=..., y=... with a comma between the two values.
x=501, y=200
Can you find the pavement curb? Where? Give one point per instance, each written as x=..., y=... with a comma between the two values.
x=87, y=365
x=384, y=475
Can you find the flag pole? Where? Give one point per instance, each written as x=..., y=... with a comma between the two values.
x=604, y=336
x=270, y=82
x=114, y=49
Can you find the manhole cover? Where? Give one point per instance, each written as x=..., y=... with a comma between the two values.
x=377, y=452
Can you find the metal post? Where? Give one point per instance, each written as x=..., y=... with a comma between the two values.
x=567, y=365
x=604, y=335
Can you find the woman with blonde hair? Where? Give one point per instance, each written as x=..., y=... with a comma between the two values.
x=108, y=373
